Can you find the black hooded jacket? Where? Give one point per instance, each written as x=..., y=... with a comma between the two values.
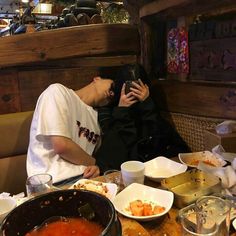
x=135, y=133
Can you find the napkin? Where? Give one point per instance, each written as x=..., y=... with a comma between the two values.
x=226, y=127
x=19, y=198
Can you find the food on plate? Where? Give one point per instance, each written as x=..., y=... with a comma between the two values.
x=207, y=162
x=94, y=186
x=206, y=157
x=144, y=208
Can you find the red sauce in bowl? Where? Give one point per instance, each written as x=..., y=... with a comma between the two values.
x=70, y=227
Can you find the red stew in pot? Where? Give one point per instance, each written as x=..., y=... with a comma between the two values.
x=70, y=227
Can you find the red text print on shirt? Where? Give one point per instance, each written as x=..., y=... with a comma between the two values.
x=89, y=135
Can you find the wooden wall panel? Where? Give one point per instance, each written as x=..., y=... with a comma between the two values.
x=201, y=99
x=32, y=83
x=9, y=93
x=213, y=59
x=21, y=86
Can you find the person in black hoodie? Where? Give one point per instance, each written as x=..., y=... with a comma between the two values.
x=132, y=128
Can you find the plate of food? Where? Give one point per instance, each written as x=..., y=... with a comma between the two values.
x=162, y=167
x=107, y=189
x=143, y=203
x=192, y=159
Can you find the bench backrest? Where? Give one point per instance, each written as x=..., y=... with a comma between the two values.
x=14, y=131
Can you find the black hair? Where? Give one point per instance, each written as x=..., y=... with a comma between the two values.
x=121, y=74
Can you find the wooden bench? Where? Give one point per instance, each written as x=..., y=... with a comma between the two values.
x=14, y=130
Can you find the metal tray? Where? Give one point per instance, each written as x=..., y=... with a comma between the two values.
x=189, y=186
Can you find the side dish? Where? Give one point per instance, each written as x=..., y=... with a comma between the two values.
x=94, y=186
x=144, y=208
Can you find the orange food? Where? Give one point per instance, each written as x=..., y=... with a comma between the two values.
x=207, y=162
x=147, y=209
x=136, y=208
x=139, y=208
x=73, y=227
x=158, y=209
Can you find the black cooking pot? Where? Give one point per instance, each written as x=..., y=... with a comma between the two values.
x=64, y=203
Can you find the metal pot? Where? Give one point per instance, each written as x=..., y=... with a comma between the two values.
x=65, y=203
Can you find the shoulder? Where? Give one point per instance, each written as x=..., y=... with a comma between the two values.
x=56, y=87
x=55, y=90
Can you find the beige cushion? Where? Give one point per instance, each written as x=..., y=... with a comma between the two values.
x=13, y=174
x=14, y=131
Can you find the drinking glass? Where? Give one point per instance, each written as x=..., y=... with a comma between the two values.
x=38, y=184
x=113, y=176
x=216, y=208
x=192, y=227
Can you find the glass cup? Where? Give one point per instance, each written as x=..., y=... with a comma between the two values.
x=191, y=226
x=216, y=208
x=38, y=184
x=132, y=172
x=113, y=176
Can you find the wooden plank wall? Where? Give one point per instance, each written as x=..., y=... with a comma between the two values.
x=72, y=56
x=195, y=98
x=21, y=86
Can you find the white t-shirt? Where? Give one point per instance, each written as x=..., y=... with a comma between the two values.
x=59, y=111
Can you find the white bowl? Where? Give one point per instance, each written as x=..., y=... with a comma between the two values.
x=162, y=167
x=192, y=159
x=144, y=193
x=6, y=205
x=107, y=189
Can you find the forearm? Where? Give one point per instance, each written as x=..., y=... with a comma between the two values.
x=70, y=151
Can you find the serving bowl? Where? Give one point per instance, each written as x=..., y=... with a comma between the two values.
x=192, y=159
x=63, y=203
x=146, y=194
x=162, y=167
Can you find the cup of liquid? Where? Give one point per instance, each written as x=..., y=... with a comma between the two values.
x=39, y=184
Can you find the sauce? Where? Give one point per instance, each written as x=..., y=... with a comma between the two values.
x=70, y=227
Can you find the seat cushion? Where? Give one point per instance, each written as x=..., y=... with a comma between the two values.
x=14, y=130
x=13, y=174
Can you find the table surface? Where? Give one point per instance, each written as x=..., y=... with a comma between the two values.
x=163, y=226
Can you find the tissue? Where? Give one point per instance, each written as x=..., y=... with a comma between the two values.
x=226, y=127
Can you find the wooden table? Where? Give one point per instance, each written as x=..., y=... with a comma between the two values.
x=166, y=225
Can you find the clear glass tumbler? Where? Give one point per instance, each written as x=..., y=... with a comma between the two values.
x=192, y=227
x=38, y=184
x=216, y=208
x=113, y=176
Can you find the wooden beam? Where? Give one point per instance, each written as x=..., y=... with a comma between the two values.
x=98, y=61
x=78, y=41
x=175, y=8
x=158, y=6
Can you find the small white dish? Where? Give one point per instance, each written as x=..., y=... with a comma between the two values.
x=192, y=159
x=6, y=205
x=144, y=193
x=162, y=167
x=107, y=189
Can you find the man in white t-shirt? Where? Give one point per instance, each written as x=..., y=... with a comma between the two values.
x=65, y=131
